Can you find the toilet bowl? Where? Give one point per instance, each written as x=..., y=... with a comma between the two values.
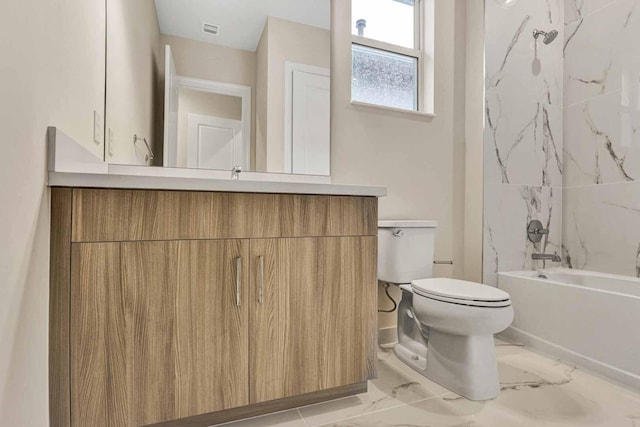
x=454, y=346
x=445, y=326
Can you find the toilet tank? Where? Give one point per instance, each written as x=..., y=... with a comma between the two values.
x=405, y=250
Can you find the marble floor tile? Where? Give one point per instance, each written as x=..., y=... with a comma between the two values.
x=538, y=391
x=396, y=385
x=290, y=418
x=436, y=412
x=535, y=391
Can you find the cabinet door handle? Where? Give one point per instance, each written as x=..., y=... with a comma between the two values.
x=238, y=280
x=261, y=279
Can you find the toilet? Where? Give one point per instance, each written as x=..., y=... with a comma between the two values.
x=445, y=326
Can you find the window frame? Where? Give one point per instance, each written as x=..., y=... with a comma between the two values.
x=422, y=52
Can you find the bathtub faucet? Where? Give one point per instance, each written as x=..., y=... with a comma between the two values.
x=547, y=257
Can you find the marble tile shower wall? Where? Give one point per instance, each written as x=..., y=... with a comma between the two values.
x=523, y=158
x=602, y=136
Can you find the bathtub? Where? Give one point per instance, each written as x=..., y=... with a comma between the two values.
x=589, y=319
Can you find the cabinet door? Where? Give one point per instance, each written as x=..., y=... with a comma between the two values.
x=156, y=331
x=312, y=328
x=349, y=307
x=100, y=394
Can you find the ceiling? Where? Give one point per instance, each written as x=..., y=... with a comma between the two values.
x=241, y=21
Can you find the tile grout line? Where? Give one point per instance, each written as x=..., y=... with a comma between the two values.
x=599, y=9
x=596, y=97
x=257, y=417
x=302, y=417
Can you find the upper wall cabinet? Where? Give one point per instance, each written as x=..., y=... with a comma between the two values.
x=219, y=84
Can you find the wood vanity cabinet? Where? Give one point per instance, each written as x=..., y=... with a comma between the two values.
x=184, y=308
x=311, y=329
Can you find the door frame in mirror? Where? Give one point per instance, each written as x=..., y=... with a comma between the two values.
x=228, y=89
x=193, y=138
x=290, y=67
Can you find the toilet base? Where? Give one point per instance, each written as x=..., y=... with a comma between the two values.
x=465, y=365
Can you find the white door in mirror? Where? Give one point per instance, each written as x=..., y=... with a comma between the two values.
x=214, y=143
x=171, y=93
x=311, y=131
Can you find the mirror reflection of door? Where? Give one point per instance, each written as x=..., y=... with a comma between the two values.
x=156, y=49
x=310, y=121
x=214, y=143
x=207, y=123
x=170, y=149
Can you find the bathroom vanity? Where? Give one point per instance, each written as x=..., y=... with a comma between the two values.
x=193, y=308
x=181, y=297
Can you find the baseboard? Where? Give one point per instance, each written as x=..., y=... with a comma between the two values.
x=387, y=336
x=547, y=348
x=264, y=408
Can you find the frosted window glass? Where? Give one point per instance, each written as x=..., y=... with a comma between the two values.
x=390, y=21
x=384, y=78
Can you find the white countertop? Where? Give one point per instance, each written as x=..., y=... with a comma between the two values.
x=91, y=180
x=71, y=166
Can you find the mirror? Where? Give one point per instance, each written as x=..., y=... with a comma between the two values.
x=215, y=84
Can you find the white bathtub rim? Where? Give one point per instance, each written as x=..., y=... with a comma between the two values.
x=570, y=271
x=604, y=371
x=529, y=275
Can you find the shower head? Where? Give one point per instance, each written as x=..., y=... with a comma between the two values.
x=548, y=37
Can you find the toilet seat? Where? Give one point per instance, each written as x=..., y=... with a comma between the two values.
x=479, y=304
x=461, y=292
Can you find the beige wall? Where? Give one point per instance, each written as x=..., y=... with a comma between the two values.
x=285, y=41
x=135, y=89
x=206, y=104
x=415, y=158
x=459, y=116
x=51, y=74
x=217, y=63
x=474, y=132
x=212, y=62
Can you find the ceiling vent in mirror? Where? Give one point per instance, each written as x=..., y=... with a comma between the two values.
x=211, y=29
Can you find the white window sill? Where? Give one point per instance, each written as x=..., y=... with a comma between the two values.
x=381, y=109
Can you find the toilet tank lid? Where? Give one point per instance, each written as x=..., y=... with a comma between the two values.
x=408, y=224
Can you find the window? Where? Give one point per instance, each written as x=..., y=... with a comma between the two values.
x=391, y=64
x=390, y=21
x=384, y=78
